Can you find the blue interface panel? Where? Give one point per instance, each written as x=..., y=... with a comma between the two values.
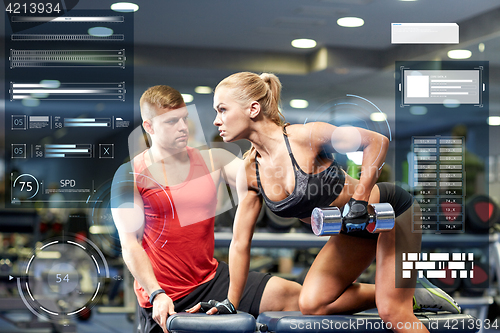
x=69, y=105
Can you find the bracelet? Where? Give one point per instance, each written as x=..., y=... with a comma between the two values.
x=154, y=294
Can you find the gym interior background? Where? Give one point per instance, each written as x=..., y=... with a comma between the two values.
x=191, y=46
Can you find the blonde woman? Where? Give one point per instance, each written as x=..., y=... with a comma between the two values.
x=291, y=168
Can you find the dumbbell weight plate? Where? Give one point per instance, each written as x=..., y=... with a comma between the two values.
x=481, y=213
x=479, y=282
x=383, y=217
x=326, y=221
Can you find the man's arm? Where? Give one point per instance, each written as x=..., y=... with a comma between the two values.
x=227, y=162
x=128, y=214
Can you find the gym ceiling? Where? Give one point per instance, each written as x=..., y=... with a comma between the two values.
x=187, y=43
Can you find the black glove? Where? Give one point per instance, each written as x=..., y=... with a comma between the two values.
x=357, y=219
x=224, y=307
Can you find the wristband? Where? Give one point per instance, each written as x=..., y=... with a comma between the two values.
x=154, y=294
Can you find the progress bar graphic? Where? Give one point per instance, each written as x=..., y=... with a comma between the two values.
x=68, y=91
x=67, y=58
x=67, y=19
x=68, y=150
x=87, y=122
x=68, y=37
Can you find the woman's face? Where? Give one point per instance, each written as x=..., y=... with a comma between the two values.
x=232, y=118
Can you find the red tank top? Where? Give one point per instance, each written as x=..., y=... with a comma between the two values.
x=179, y=228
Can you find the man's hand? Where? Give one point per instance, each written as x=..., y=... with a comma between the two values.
x=162, y=308
x=214, y=307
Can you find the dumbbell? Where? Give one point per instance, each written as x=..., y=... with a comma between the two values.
x=329, y=221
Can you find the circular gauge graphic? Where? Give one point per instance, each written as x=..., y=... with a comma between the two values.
x=349, y=113
x=102, y=228
x=352, y=110
x=63, y=277
x=24, y=187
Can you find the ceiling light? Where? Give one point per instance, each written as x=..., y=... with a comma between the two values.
x=451, y=103
x=378, y=116
x=40, y=95
x=50, y=83
x=459, y=54
x=494, y=121
x=30, y=102
x=299, y=103
x=350, y=22
x=203, y=90
x=102, y=229
x=49, y=255
x=481, y=47
x=124, y=7
x=100, y=31
x=304, y=43
x=418, y=110
x=188, y=98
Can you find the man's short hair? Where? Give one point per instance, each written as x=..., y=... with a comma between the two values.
x=161, y=96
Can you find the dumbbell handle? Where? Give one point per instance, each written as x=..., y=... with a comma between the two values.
x=349, y=227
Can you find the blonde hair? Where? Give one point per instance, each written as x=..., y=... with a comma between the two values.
x=161, y=96
x=264, y=88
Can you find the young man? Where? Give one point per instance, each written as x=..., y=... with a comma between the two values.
x=163, y=204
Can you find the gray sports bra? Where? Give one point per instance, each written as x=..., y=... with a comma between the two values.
x=311, y=190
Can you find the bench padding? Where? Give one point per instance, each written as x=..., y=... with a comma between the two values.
x=201, y=322
x=295, y=322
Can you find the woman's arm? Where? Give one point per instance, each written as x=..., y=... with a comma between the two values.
x=374, y=147
x=350, y=139
x=243, y=229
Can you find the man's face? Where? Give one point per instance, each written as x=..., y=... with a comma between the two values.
x=169, y=128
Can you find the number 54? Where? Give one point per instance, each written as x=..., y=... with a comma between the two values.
x=59, y=280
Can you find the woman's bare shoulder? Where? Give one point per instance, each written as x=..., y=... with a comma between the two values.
x=249, y=169
x=314, y=133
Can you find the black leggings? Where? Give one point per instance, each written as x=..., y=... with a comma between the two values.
x=399, y=199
